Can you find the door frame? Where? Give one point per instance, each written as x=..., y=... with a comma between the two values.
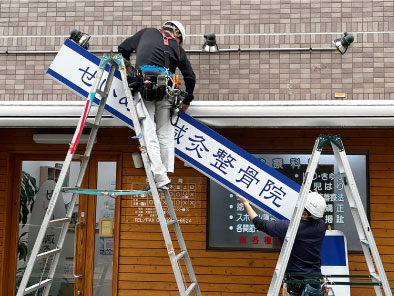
x=86, y=257
x=85, y=204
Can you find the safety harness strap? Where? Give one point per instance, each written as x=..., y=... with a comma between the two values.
x=166, y=52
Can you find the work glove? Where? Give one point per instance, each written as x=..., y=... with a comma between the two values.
x=134, y=78
x=129, y=68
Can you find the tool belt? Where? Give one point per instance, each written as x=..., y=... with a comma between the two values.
x=154, y=85
x=299, y=286
x=313, y=290
x=295, y=289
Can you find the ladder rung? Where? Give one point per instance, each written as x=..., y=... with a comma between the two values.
x=180, y=255
x=58, y=221
x=37, y=286
x=172, y=221
x=47, y=254
x=191, y=288
x=64, y=189
x=364, y=242
x=376, y=277
x=101, y=93
x=90, y=124
x=80, y=156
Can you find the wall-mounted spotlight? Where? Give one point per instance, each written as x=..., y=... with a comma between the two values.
x=343, y=43
x=210, y=43
x=80, y=38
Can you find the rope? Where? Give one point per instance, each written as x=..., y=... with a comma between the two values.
x=81, y=126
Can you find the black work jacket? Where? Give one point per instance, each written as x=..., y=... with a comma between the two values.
x=305, y=256
x=149, y=45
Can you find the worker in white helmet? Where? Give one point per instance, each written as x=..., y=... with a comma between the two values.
x=305, y=256
x=158, y=51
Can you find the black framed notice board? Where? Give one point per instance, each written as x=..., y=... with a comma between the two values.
x=229, y=226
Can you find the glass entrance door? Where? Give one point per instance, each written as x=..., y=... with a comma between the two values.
x=38, y=181
x=104, y=232
x=85, y=265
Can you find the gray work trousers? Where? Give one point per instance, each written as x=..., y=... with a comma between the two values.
x=158, y=133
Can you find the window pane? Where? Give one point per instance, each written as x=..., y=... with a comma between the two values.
x=104, y=240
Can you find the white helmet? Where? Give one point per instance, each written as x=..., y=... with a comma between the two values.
x=316, y=205
x=175, y=25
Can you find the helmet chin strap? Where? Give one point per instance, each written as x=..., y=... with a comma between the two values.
x=180, y=37
x=172, y=30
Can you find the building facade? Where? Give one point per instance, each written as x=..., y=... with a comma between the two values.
x=276, y=84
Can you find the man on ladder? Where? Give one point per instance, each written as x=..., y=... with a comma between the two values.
x=186, y=284
x=377, y=275
x=305, y=256
x=159, y=53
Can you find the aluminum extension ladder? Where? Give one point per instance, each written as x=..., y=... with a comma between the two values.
x=52, y=256
x=378, y=277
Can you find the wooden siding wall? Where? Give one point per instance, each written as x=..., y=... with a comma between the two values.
x=379, y=143
x=144, y=268
x=3, y=184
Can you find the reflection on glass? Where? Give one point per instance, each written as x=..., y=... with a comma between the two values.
x=38, y=181
x=104, y=240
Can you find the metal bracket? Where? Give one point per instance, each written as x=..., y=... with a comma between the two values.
x=337, y=141
x=323, y=141
x=116, y=60
x=328, y=139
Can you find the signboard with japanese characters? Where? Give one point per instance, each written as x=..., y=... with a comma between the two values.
x=195, y=143
x=230, y=226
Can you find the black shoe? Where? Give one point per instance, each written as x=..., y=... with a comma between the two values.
x=162, y=188
x=146, y=188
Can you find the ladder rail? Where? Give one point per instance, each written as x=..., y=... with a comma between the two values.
x=131, y=104
x=361, y=221
x=289, y=239
x=116, y=62
x=161, y=215
x=144, y=155
x=370, y=251
x=95, y=128
x=58, y=187
x=181, y=241
x=82, y=171
x=361, y=230
x=48, y=216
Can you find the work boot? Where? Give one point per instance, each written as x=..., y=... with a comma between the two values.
x=146, y=188
x=160, y=187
